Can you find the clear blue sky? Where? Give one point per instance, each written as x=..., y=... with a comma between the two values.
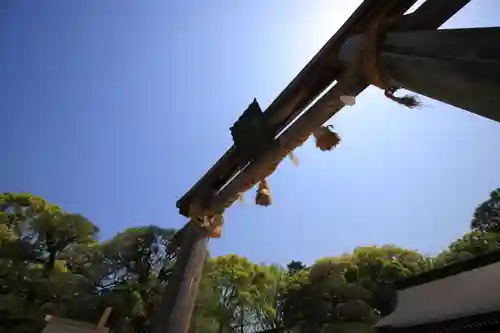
x=115, y=108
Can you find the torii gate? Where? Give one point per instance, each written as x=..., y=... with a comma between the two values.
x=377, y=45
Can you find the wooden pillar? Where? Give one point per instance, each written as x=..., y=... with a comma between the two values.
x=175, y=311
x=460, y=67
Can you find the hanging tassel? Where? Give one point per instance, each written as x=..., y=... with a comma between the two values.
x=263, y=197
x=326, y=138
x=294, y=159
x=410, y=101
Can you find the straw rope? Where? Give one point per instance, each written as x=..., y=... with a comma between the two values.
x=370, y=55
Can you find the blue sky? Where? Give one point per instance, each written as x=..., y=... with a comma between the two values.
x=115, y=108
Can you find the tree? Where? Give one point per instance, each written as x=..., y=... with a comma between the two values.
x=472, y=244
x=129, y=272
x=236, y=295
x=343, y=290
x=32, y=234
x=487, y=215
x=206, y=309
x=51, y=262
x=375, y=265
x=42, y=230
x=294, y=267
x=57, y=231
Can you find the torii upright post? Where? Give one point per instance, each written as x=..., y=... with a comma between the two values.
x=175, y=311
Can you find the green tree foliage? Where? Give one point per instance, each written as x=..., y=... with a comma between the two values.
x=341, y=290
x=294, y=267
x=127, y=272
x=472, y=244
x=33, y=233
x=238, y=294
x=40, y=231
x=51, y=262
x=487, y=215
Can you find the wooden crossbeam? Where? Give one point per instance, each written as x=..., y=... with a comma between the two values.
x=318, y=74
x=442, y=9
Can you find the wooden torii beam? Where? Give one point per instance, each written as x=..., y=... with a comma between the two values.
x=460, y=67
x=317, y=75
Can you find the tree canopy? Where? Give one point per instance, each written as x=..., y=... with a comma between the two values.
x=487, y=214
x=52, y=262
